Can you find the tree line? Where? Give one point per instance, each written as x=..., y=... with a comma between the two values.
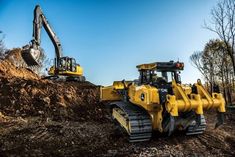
x=217, y=61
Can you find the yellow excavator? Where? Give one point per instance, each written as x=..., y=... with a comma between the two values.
x=63, y=66
x=157, y=101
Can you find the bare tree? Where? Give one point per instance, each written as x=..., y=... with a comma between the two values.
x=223, y=24
x=196, y=61
x=216, y=67
x=204, y=61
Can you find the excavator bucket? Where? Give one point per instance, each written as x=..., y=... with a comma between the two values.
x=31, y=56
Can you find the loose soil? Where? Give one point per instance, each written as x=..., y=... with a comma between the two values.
x=56, y=118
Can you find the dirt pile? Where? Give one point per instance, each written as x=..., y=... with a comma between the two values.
x=34, y=136
x=14, y=56
x=24, y=93
x=13, y=66
x=9, y=70
x=57, y=100
x=56, y=118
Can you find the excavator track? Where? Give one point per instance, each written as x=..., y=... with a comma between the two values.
x=136, y=122
x=76, y=78
x=193, y=129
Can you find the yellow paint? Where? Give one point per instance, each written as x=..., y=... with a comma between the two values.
x=78, y=72
x=149, y=66
x=183, y=100
x=121, y=84
x=180, y=102
x=118, y=115
x=109, y=93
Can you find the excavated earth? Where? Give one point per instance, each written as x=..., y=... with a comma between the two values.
x=55, y=118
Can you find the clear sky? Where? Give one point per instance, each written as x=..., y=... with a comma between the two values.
x=110, y=37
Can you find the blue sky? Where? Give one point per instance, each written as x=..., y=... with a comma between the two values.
x=110, y=37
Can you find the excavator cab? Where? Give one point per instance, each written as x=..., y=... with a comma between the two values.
x=66, y=66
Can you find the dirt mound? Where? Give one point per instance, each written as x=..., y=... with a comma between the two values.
x=56, y=118
x=22, y=97
x=9, y=70
x=34, y=136
x=14, y=56
x=48, y=114
x=13, y=66
x=24, y=93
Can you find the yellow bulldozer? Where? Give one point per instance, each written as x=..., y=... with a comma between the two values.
x=157, y=101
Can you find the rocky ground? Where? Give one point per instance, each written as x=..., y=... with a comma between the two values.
x=47, y=118
x=36, y=136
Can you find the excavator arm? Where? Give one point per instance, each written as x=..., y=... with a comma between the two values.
x=32, y=52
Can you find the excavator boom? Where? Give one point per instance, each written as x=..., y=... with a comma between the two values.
x=31, y=54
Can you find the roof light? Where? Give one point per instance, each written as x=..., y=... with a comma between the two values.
x=178, y=65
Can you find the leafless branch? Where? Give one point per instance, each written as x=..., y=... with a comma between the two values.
x=223, y=24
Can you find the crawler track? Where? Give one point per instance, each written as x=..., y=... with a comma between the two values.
x=194, y=130
x=137, y=124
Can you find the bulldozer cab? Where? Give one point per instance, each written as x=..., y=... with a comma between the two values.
x=160, y=72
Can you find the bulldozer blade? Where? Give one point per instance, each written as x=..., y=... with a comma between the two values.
x=220, y=120
x=30, y=56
